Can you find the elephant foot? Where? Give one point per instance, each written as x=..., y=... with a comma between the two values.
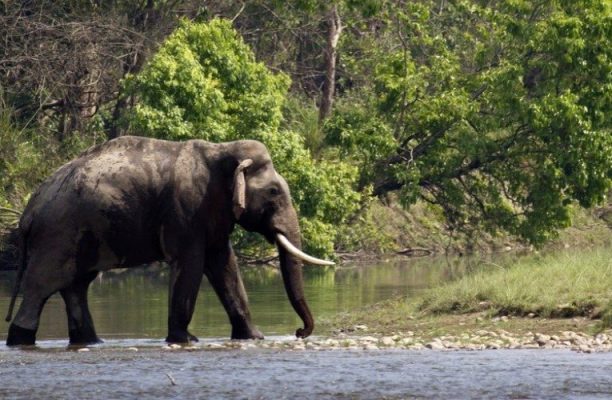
x=248, y=333
x=18, y=336
x=181, y=337
x=80, y=338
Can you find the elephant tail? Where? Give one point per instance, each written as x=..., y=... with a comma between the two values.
x=13, y=256
x=9, y=250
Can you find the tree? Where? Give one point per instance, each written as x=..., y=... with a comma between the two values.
x=334, y=29
x=498, y=112
x=61, y=61
x=302, y=39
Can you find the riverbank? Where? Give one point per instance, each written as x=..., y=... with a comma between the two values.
x=481, y=339
x=473, y=332
x=559, y=300
x=387, y=228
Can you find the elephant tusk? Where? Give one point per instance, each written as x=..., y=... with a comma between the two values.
x=287, y=245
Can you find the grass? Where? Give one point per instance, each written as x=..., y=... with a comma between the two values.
x=567, y=290
x=565, y=284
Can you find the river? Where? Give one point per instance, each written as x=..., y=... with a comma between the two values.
x=111, y=371
x=134, y=303
x=130, y=311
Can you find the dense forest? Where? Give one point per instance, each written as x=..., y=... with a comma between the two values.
x=494, y=115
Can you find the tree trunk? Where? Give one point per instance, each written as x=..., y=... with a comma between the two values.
x=329, y=86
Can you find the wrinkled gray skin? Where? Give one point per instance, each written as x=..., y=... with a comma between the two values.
x=132, y=201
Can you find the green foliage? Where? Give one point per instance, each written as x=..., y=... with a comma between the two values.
x=371, y=230
x=26, y=159
x=498, y=112
x=302, y=115
x=205, y=83
x=359, y=135
x=21, y=164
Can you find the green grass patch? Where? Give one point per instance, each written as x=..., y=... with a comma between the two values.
x=566, y=290
x=564, y=284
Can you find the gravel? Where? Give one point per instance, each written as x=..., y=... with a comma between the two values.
x=476, y=340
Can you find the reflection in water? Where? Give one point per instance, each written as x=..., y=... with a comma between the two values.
x=134, y=304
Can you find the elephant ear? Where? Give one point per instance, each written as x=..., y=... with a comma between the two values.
x=239, y=198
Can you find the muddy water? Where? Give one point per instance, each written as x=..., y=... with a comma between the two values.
x=130, y=312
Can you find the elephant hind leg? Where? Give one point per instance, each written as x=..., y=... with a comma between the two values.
x=41, y=280
x=22, y=331
x=80, y=323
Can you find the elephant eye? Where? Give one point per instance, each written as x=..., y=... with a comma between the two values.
x=273, y=191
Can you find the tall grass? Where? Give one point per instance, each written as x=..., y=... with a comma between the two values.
x=563, y=284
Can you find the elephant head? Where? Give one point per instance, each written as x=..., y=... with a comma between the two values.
x=262, y=203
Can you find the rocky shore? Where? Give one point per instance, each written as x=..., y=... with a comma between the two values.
x=477, y=340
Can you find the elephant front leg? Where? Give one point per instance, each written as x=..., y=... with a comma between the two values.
x=185, y=281
x=222, y=272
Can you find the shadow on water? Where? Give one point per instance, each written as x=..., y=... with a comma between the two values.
x=134, y=303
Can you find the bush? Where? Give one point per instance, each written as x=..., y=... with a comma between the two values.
x=21, y=167
x=27, y=157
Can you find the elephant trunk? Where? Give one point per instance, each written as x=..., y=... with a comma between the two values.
x=291, y=269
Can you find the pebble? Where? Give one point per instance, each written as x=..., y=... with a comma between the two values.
x=542, y=339
x=83, y=350
x=471, y=340
x=435, y=345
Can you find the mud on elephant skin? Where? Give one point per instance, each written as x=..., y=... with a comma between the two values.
x=132, y=201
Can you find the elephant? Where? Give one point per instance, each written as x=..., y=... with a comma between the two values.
x=132, y=201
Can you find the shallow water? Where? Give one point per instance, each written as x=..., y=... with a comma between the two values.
x=114, y=371
x=130, y=311
x=134, y=304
